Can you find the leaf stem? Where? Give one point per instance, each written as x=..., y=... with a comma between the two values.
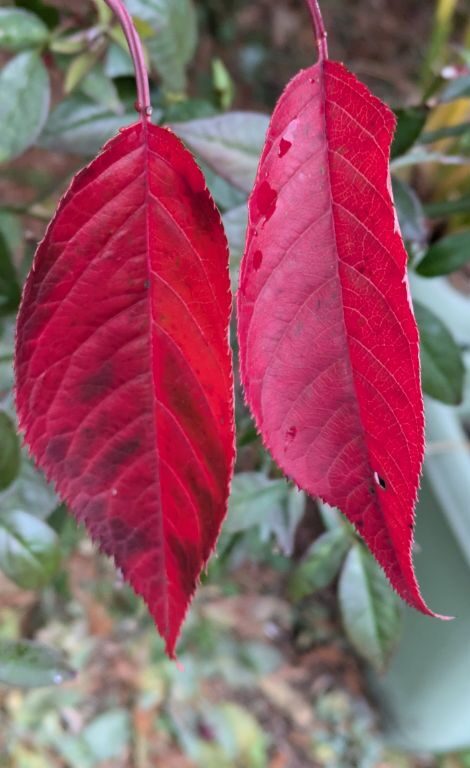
x=137, y=53
x=319, y=27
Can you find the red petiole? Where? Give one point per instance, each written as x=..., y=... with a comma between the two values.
x=137, y=53
x=319, y=27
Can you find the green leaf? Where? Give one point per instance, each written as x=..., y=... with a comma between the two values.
x=230, y=144
x=270, y=505
x=10, y=455
x=447, y=132
x=27, y=664
x=459, y=88
x=20, y=29
x=446, y=255
x=30, y=492
x=253, y=497
x=108, y=735
x=225, y=194
x=81, y=127
x=24, y=103
x=77, y=70
x=235, y=223
x=69, y=45
x=29, y=552
x=10, y=291
x=410, y=123
x=46, y=12
x=442, y=368
x=173, y=45
x=105, y=14
x=118, y=62
x=320, y=565
x=7, y=343
x=331, y=517
x=410, y=212
x=189, y=109
x=101, y=89
x=223, y=84
x=419, y=155
x=239, y=734
x=11, y=231
x=448, y=207
x=369, y=608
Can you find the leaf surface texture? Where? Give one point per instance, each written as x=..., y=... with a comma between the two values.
x=124, y=379
x=328, y=342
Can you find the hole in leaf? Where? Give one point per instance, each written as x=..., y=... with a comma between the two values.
x=380, y=481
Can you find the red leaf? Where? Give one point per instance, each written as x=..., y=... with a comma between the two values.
x=124, y=382
x=328, y=341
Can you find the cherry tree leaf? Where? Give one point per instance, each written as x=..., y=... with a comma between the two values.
x=124, y=381
x=328, y=343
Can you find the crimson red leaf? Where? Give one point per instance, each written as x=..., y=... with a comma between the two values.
x=124, y=383
x=328, y=341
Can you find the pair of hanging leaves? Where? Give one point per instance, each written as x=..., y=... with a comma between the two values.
x=123, y=366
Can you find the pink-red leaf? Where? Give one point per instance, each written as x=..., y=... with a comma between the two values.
x=124, y=381
x=328, y=341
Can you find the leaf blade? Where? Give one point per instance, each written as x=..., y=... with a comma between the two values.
x=29, y=552
x=446, y=255
x=20, y=29
x=137, y=240
x=27, y=664
x=369, y=609
x=230, y=144
x=442, y=366
x=24, y=103
x=322, y=362
x=10, y=458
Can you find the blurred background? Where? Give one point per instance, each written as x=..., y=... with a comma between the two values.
x=295, y=654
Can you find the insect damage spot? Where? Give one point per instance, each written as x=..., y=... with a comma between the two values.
x=266, y=199
x=284, y=147
x=380, y=481
x=257, y=259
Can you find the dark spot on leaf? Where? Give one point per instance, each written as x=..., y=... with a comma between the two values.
x=187, y=556
x=266, y=199
x=98, y=384
x=115, y=457
x=284, y=147
x=257, y=259
x=127, y=540
x=57, y=448
x=290, y=435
